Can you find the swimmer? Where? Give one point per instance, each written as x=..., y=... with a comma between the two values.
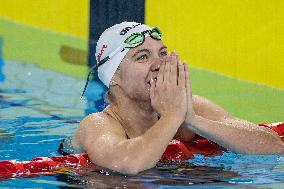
x=151, y=103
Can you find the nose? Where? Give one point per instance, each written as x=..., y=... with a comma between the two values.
x=156, y=64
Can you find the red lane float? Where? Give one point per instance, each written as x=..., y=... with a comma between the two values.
x=176, y=150
x=42, y=165
x=277, y=127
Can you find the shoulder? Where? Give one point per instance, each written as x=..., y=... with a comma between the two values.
x=208, y=109
x=98, y=134
x=96, y=120
x=96, y=125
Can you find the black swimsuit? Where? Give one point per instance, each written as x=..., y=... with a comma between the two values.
x=66, y=147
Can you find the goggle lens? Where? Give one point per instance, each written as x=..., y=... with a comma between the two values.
x=134, y=40
x=156, y=33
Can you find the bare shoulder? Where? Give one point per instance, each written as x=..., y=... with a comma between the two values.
x=99, y=121
x=208, y=109
x=94, y=126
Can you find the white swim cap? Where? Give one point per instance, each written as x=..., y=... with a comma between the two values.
x=111, y=43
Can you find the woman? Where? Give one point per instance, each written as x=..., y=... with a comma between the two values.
x=150, y=103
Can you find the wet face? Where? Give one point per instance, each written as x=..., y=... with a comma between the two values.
x=139, y=66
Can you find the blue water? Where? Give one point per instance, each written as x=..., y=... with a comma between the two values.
x=40, y=107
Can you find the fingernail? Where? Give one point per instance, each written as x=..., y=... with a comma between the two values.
x=180, y=63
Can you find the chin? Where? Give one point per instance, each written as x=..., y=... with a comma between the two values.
x=138, y=92
x=141, y=95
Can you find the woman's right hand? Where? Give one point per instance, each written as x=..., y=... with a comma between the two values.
x=168, y=94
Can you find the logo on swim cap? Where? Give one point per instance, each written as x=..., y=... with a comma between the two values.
x=101, y=52
x=125, y=30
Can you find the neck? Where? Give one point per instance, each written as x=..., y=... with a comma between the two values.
x=135, y=116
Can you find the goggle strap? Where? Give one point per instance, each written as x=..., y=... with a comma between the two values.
x=88, y=79
x=103, y=61
x=115, y=52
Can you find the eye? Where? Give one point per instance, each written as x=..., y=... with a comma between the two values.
x=164, y=53
x=142, y=57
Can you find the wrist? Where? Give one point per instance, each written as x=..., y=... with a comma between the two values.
x=175, y=119
x=190, y=118
x=193, y=123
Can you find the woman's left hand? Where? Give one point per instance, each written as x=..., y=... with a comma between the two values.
x=190, y=111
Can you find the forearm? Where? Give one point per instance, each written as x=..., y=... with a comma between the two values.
x=144, y=152
x=238, y=135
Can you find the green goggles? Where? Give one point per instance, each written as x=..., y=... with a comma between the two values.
x=138, y=38
x=134, y=40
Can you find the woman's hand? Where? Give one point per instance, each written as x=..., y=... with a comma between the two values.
x=190, y=111
x=168, y=95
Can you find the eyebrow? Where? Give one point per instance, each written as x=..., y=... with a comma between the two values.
x=139, y=51
x=147, y=50
x=163, y=47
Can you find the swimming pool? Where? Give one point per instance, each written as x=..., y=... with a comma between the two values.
x=40, y=107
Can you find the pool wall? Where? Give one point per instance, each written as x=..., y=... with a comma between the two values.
x=240, y=38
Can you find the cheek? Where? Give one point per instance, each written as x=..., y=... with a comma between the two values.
x=134, y=79
x=135, y=74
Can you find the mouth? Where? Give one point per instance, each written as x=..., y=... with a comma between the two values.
x=153, y=78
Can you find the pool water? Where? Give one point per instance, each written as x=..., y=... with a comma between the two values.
x=40, y=107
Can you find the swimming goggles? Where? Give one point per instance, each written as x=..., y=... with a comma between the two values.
x=134, y=40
